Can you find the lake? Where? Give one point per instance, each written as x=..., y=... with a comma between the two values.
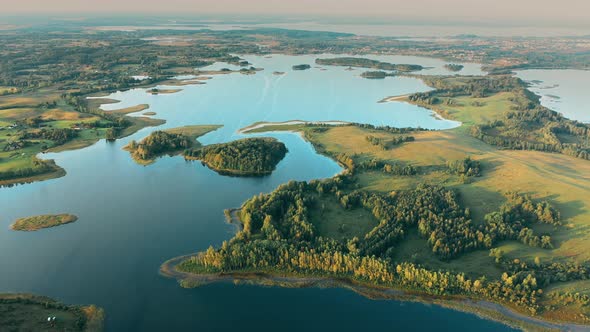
x=132, y=218
x=564, y=91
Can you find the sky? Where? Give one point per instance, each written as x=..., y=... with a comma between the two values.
x=541, y=12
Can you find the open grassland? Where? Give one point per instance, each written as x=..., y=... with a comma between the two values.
x=563, y=180
x=331, y=220
x=25, y=312
x=475, y=264
x=471, y=110
x=193, y=132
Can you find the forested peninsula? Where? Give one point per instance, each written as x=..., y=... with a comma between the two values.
x=464, y=220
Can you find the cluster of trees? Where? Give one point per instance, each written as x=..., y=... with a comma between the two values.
x=250, y=156
x=434, y=210
x=301, y=67
x=477, y=87
x=374, y=164
x=567, y=298
x=548, y=143
x=16, y=145
x=520, y=206
x=368, y=63
x=549, y=273
x=375, y=74
x=57, y=135
x=465, y=167
x=386, y=144
x=454, y=67
x=158, y=143
x=514, y=218
x=392, y=130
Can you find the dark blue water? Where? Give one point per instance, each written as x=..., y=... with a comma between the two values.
x=132, y=218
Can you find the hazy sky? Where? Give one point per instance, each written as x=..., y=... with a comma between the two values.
x=566, y=11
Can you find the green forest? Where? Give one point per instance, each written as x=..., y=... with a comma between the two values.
x=245, y=157
x=158, y=143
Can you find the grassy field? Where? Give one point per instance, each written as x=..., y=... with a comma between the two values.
x=24, y=312
x=471, y=110
x=563, y=180
x=331, y=220
x=43, y=221
x=193, y=132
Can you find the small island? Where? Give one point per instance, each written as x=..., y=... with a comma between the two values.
x=245, y=157
x=156, y=91
x=26, y=312
x=169, y=141
x=301, y=67
x=454, y=67
x=368, y=63
x=35, y=223
x=375, y=75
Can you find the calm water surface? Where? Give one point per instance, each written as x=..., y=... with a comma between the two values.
x=132, y=218
x=564, y=91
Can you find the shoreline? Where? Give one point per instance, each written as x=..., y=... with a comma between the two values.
x=481, y=308
x=36, y=223
x=436, y=113
x=263, y=124
x=56, y=173
x=394, y=98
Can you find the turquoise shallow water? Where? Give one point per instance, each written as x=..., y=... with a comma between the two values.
x=132, y=218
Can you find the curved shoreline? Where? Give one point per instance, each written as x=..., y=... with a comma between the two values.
x=482, y=308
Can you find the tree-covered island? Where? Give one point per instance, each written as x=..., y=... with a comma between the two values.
x=245, y=157
x=454, y=67
x=301, y=67
x=368, y=63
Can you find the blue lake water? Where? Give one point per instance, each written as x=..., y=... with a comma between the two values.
x=132, y=218
x=564, y=91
